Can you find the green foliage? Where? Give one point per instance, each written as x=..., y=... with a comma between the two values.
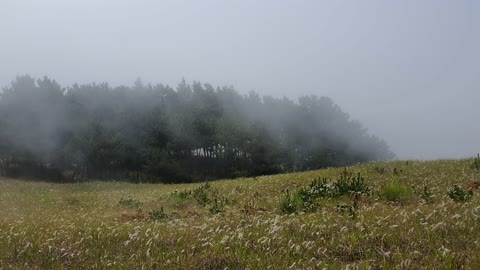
x=427, y=195
x=130, y=203
x=201, y=194
x=476, y=163
x=380, y=170
x=184, y=194
x=309, y=202
x=396, y=192
x=346, y=184
x=290, y=203
x=459, y=195
x=180, y=198
x=155, y=215
x=158, y=134
x=308, y=198
x=218, y=207
x=351, y=210
x=321, y=187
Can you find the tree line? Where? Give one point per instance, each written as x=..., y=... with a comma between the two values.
x=155, y=133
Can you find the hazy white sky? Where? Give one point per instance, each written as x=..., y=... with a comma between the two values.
x=408, y=70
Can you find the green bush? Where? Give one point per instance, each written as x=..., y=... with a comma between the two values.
x=180, y=198
x=427, y=195
x=290, y=203
x=157, y=214
x=130, y=203
x=476, y=163
x=342, y=208
x=347, y=184
x=458, y=195
x=310, y=195
x=218, y=207
x=320, y=188
x=396, y=192
x=308, y=198
x=201, y=194
x=380, y=170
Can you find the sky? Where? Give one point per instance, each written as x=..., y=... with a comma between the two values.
x=408, y=70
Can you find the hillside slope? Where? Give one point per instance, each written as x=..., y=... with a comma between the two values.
x=249, y=223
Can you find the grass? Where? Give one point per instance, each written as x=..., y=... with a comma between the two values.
x=238, y=224
x=396, y=192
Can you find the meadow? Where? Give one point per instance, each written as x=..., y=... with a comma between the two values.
x=408, y=215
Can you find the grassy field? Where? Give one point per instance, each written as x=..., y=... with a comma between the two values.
x=248, y=223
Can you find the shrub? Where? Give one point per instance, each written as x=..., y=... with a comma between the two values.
x=290, y=203
x=201, y=194
x=321, y=188
x=308, y=200
x=157, y=214
x=130, y=203
x=380, y=170
x=476, y=163
x=342, y=208
x=396, y=192
x=217, y=207
x=309, y=196
x=427, y=195
x=458, y=195
x=346, y=184
x=180, y=198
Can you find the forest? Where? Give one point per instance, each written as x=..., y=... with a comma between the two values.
x=156, y=133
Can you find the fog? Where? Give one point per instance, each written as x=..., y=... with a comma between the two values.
x=408, y=70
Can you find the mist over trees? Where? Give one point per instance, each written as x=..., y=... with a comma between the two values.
x=156, y=133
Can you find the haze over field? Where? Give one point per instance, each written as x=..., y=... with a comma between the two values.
x=409, y=70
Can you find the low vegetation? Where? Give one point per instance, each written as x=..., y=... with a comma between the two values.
x=476, y=163
x=396, y=192
x=385, y=215
x=459, y=195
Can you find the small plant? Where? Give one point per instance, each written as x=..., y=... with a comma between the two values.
x=184, y=194
x=201, y=194
x=157, y=214
x=180, y=198
x=322, y=188
x=396, y=192
x=346, y=184
x=380, y=170
x=239, y=189
x=476, y=163
x=130, y=203
x=427, y=195
x=309, y=200
x=218, y=207
x=318, y=188
x=351, y=210
x=458, y=195
x=290, y=203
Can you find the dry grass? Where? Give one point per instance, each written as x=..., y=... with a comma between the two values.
x=65, y=226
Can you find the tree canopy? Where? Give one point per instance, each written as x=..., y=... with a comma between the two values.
x=159, y=134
